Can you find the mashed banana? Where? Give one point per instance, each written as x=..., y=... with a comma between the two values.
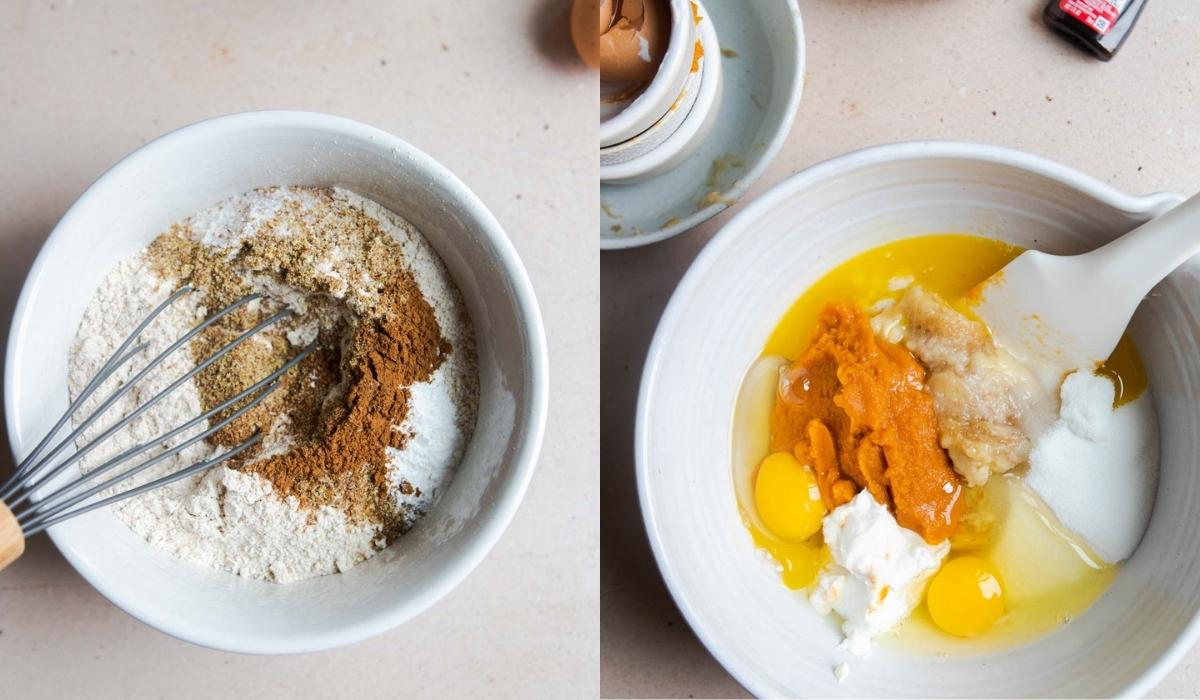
x=978, y=389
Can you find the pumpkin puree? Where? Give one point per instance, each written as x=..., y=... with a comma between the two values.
x=855, y=408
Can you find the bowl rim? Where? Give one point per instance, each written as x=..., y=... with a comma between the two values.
x=721, y=246
x=640, y=114
x=695, y=124
x=734, y=194
x=474, y=547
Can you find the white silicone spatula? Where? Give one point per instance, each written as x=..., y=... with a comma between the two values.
x=1062, y=313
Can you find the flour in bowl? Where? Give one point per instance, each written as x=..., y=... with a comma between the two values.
x=360, y=437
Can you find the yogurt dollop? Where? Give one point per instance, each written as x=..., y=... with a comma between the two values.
x=878, y=572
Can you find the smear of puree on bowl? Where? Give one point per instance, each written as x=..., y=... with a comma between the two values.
x=901, y=471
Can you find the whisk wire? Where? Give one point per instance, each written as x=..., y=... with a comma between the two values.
x=18, y=477
x=106, y=370
x=45, y=507
x=148, y=486
x=50, y=503
x=127, y=386
x=31, y=516
x=35, y=476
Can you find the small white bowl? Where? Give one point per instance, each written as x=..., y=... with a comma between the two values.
x=188, y=170
x=715, y=326
x=661, y=129
x=677, y=136
x=629, y=120
x=760, y=96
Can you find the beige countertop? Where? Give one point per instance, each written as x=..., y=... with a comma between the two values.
x=881, y=72
x=489, y=89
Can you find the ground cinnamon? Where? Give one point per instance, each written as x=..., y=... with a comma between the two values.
x=345, y=464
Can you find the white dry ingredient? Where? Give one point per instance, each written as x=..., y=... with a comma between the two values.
x=232, y=520
x=1095, y=467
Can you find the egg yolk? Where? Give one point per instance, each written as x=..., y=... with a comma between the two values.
x=965, y=597
x=787, y=498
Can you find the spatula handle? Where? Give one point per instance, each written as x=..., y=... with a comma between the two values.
x=12, y=540
x=1140, y=259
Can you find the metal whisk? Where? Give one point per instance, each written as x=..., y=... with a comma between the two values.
x=24, y=511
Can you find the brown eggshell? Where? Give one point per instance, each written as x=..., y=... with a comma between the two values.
x=632, y=48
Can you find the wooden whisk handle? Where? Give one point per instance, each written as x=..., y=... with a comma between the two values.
x=12, y=540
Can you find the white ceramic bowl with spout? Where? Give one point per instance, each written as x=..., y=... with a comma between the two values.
x=193, y=168
x=716, y=325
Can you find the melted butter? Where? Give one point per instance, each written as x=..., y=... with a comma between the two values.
x=1124, y=367
x=798, y=563
x=1050, y=578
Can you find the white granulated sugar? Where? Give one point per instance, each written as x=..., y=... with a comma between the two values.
x=1087, y=402
x=1097, y=468
x=235, y=521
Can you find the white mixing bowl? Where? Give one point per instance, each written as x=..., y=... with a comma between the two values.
x=716, y=325
x=189, y=170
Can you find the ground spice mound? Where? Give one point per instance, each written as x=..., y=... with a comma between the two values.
x=344, y=464
x=856, y=409
x=328, y=426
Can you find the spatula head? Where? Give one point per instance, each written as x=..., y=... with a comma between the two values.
x=1051, y=314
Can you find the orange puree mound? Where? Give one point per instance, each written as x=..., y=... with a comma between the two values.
x=855, y=408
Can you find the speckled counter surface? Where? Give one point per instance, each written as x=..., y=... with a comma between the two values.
x=489, y=89
x=882, y=72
